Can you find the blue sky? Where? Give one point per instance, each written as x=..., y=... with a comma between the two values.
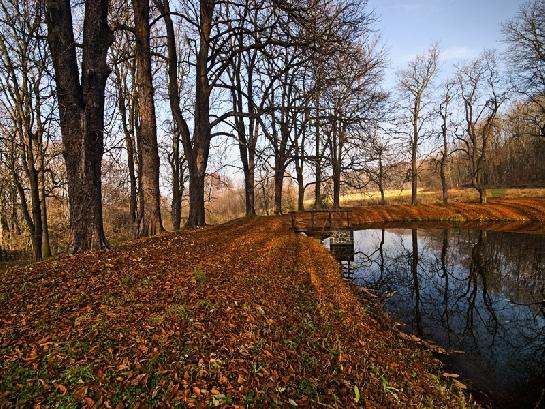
x=462, y=28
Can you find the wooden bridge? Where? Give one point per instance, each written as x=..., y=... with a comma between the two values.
x=321, y=221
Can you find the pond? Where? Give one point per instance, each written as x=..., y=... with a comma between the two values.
x=479, y=294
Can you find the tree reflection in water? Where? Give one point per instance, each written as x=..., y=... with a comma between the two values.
x=480, y=292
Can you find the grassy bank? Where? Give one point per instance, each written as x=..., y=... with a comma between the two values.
x=244, y=314
x=520, y=210
x=466, y=195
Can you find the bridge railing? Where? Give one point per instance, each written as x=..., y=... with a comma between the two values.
x=309, y=221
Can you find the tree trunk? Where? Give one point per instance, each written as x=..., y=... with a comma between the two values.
x=46, y=248
x=33, y=216
x=444, y=154
x=336, y=146
x=414, y=151
x=249, y=187
x=249, y=177
x=36, y=223
x=336, y=187
x=128, y=122
x=196, y=196
x=300, y=189
x=150, y=222
x=482, y=195
x=81, y=109
x=381, y=179
x=278, y=182
x=246, y=141
x=246, y=149
x=444, y=184
x=14, y=229
x=248, y=168
x=182, y=130
x=318, y=181
x=198, y=155
x=133, y=207
x=414, y=174
x=176, y=204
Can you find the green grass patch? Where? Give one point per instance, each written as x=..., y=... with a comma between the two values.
x=178, y=311
x=497, y=193
x=200, y=276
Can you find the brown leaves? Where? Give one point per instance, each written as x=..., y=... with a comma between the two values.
x=228, y=316
x=61, y=388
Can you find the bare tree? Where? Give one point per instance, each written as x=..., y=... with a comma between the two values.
x=525, y=36
x=81, y=109
x=354, y=100
x=480, y=89
x=242, y=82
x=180, y=131
x=149, y=218
x=414, y=82
x=378, y=154
x=444, y=113
x=213, y=55
x=126, y=95
x=25, y=97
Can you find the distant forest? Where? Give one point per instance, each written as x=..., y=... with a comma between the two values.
x=119, y=119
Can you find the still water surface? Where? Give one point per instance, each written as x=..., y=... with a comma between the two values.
x=479, y=294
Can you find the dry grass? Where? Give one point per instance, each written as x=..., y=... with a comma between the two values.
x=429, y=197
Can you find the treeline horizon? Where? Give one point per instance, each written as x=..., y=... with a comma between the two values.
x=104, y=104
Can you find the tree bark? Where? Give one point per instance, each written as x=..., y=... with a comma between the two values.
x=336, y=147
x=133, y=201
x=128, y=121
x=444, y=111
x=443, y=175
x=176, y=205
x=278, y=182
x=182, y=130
x=336, y=186
x=318, y=163
x=198, y=155
x=381, y=179
x=150, y=222
x=81, y=109
x=300, y=189
x=196, y=196
x=246, y=141
x=46, y=247
x=414, y=151
x=249, y=185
